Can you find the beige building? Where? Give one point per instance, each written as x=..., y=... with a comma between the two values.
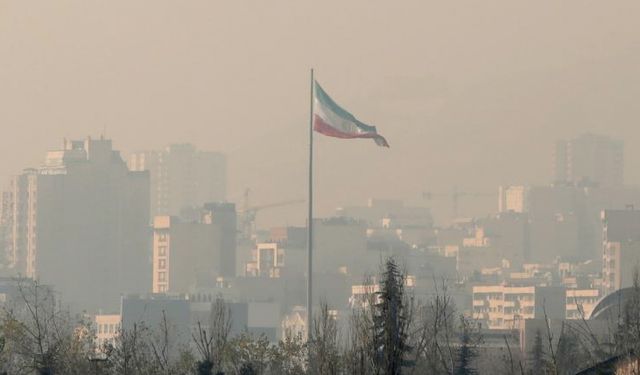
x=505, y=307
x=182, y=177
x=269, y=260
x=513, y=198
x=620, y=248
x=589, y=159
x=363, y=295
x=81, y=213
x=341, y=244
x=394, y=212
x=188, y=253
x=18, y=223
x=581, y=302
x=107, y=329
x=182, y=252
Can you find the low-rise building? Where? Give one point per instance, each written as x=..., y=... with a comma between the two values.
x=580, y=302
x=185, y=253
x=505, y=307
x=107, y=328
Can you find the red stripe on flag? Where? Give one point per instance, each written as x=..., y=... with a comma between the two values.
x=322, y=127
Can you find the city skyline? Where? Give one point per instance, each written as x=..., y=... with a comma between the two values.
x=331, y=188
x=447, y=76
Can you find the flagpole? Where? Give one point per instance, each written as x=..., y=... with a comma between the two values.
x=310, y=220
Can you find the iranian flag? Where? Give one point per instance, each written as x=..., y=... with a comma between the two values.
x=334, y=121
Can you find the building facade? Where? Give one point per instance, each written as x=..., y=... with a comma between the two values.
x=589, y=159
x=107, y=330
x=581, y=302
x=18, y=223
x=506, y=307
x=82, y=213
x=620, y=248
x=513, y=198
x=188, y=253
x=182, y=177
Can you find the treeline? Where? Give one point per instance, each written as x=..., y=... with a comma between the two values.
x=390, y=333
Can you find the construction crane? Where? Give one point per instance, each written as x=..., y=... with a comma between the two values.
x=248, y=213
x=455, y=196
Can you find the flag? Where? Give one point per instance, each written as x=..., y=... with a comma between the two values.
x=334, y=121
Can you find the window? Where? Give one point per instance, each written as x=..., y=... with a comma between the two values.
x=162, y=237
x=162, y=251
x=162, y=288
x=162, y=264
x=162, y=276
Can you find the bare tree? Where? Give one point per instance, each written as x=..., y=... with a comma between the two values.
x=323, y=348
x=161, y=347
x=204, y=345
x=289, y=356
x=433, y=333
x=249, y=354
x=467, y=351
x=553, y=365
x=131, y=354
x=141, y=350
x=41, y=336
x=360, y=354
x=211, y=344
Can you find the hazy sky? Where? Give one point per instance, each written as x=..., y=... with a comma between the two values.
x=468, y=93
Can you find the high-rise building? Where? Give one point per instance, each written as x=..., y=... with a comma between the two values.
x=590, y=160
x=269, y=258
x=182, y=177
x=224, y=216
x=565, y=221
x=186, y=254
x=340, y=244
x=80, y=223
x=620, y=248
x=18, y=223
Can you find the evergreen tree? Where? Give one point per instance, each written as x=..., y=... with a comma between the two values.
x=466, y=352
x=248, y=369
x=537, y=363
x=391, y=321
x=204, y=367
x=571, y=354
